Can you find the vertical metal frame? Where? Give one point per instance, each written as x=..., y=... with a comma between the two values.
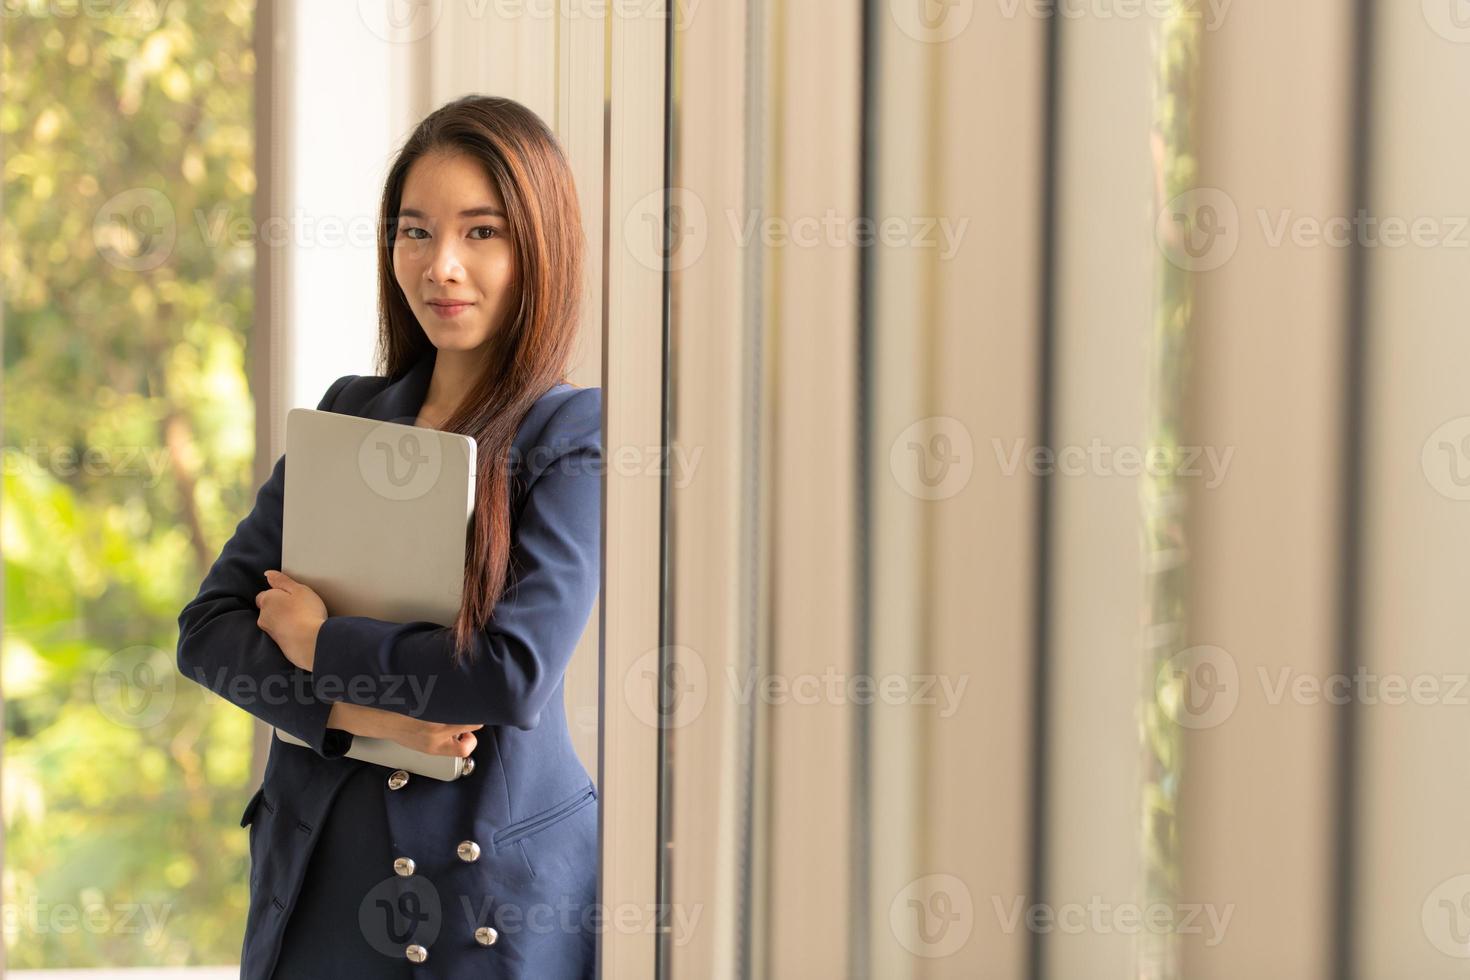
x=269, y=336
x=633, y=560
x=1097, y=387
x=1257, y=797
x=1404, y=619
x=715, y=493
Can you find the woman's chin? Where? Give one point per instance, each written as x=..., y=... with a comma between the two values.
x=453, y=335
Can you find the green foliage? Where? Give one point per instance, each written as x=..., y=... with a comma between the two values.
x=122, y=838
x=1163, y=495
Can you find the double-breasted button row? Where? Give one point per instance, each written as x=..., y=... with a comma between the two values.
x=399, y=777
x=416, y=954
x=467, y=851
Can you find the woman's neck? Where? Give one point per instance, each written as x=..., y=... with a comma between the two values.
x=454, y=372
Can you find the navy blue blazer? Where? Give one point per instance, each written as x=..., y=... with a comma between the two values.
x=497, y=869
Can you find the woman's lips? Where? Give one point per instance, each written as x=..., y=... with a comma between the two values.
x=448, y=311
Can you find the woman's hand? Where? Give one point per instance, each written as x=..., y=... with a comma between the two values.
x=291, y=613
x=414, y=733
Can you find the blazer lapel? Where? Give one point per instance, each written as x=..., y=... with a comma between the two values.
x=400, y=400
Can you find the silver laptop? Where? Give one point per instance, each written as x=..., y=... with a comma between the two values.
x=375, y=515
x=374, y=519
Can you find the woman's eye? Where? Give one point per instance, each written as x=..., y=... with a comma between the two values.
x=409, y=233
x=488, y=228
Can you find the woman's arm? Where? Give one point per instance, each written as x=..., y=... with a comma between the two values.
x=222, y=648
x=518, y=659
x=423, y=736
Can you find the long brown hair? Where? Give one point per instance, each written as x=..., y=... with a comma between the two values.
x=530, y=351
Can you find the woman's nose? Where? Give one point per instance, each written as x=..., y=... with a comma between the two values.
x=444, y=263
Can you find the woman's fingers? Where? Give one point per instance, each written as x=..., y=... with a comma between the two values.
x=461, y=745
x=453, y=740
x=436, y=738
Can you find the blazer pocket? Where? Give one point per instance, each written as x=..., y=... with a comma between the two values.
x=548, y=817
x=249, y=813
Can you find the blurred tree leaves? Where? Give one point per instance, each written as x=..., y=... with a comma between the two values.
x=128, y=440
x=1163, y=496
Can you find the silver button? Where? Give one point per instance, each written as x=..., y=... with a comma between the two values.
x=486, y=936
x=469, y=767
x=468, y=850
x=398, y=780
x=403, y=866
x=416, y=953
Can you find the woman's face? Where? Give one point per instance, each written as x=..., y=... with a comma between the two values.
x=452, y=255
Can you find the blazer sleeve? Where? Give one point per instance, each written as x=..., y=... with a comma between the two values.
x=221, y=644
x=517, y=659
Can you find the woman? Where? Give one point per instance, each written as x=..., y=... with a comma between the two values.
x=362, y=872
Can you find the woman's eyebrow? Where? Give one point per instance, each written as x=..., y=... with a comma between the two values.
x=481, y=211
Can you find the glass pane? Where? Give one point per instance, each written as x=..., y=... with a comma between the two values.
x=128, y=153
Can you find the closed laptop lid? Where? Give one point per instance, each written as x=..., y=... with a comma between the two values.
x=375, y=515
